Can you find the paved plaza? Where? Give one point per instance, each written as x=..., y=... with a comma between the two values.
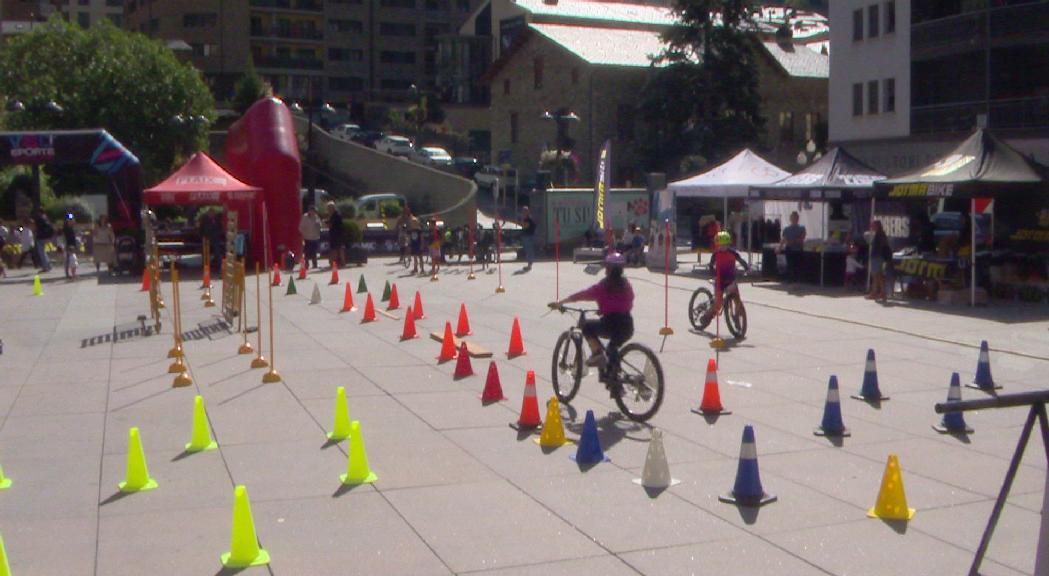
x=458, y=490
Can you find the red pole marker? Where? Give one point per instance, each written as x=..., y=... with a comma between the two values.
x=499, y=256
x=666, y=330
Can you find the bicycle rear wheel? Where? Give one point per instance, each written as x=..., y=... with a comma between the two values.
x=567, y=367
x=641, y=379
x=736, y=316
x=702, y=301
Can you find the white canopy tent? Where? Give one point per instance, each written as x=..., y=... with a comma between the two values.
x=732, y=179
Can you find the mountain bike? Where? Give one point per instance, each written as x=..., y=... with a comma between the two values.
x=633, y=373
x=701, y=308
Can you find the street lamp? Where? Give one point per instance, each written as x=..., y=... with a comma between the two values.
x=561, y=118
x=188, y=125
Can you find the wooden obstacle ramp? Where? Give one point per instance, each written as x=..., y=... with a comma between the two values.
x=474, y=350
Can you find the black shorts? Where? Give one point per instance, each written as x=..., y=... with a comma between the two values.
x=618, y=328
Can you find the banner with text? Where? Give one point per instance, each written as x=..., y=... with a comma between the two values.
x=604, y=178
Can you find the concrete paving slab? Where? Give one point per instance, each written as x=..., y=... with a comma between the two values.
x=184, y=481
x=288, y=470
x=734, y=556
x=607, y=565
x=176, y=541
x=1015, y=539
x=313, y=384
x=50, y=545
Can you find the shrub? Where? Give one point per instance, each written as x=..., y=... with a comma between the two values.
x=347, y=207
x=57, y=209
x=391, y=209
x=354, y=235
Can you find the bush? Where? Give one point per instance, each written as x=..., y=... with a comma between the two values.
x=57, y=209
x=391, y=209
x=354, y=235
x=347, y=207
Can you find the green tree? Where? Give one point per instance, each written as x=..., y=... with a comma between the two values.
x=250, y=89
x=105, y=77
x=704, y=101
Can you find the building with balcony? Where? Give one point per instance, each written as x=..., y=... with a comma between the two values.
x=911, y=78
x=17, y=15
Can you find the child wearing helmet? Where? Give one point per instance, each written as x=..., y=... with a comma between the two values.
x=615, y=300
x=723, y=267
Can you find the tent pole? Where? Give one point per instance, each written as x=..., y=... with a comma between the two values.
x=972, y=252
x=724, y=213
x=870, y=245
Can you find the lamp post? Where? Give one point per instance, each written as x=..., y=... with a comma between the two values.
x=46, y=109
x=297, y=109
x=188, y=125
x=561, y=118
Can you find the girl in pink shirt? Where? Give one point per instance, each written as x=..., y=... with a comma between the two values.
x=615, y=300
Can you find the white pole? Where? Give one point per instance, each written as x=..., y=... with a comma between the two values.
x=972, y=251
x=724, y=213
x=826, y=241
x=1041, y=557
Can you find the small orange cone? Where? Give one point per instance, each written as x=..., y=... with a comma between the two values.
x=347, y=301
x=711, y=403
x=276, y=274
x=463, y=327
x=516, y=344
x=493, y=390
x=302, y=268
x=369, y=310
x=409, y=326
x=447, y=344
x=207, y=276
x=417, y=308
x=145, y=280
x=529, y=418
x=395, y=302
x=334, y=276
x=462, y=365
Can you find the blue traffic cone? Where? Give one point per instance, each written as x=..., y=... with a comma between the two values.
x=832, y=424
x=983, y=380
x=589, y=451
x=869, y=392
x=747, y=490
x=953, y=422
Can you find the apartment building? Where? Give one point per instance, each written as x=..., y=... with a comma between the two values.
x=83, y=12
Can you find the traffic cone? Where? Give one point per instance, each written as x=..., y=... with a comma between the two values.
x=38, y=289
x=334, y=276
x=462, y=328
x=409, y=326
x=417, y=308
x=711, y=403
x=892, y=500
x=315, y=298
x=447, y=344
x=869, y=392
x=747, y=490
x=5, y=483
x=369, y=311
x=395, y=302
x=656, y=474
x=291, y=288
x=145, y=280
x=340, y=430
x=589, y=451
x=182, y=380
x=276, y=274
x=200, y=439
x=983, y=380
x=832, y=424
x=5, y=568
x=357, y=469
x=516, y=343
x=207, y=277
x=302, y=268
x=362, y=286
x=493, y=390
x=462, y=365
x=529, y=417
x=347, y=300
x=953, y=422
x=137, y=477
x=553, y=433
x=386, y=292
x=244, y=549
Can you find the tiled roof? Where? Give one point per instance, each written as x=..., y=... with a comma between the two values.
x=798, y=60
x=605, y=46
x=590, y=10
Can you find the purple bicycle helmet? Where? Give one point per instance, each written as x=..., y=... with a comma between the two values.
x=615, y=259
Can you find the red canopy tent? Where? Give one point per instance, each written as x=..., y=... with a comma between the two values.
x=200, y=181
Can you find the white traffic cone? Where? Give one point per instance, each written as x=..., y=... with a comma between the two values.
x=656, y=475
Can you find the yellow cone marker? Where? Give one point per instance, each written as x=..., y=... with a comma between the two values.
x=38, y=290
x=5, y=482
x=5, y=569
x=341, y=428
x=137, y=479
x=201, y=440
x=553, y=434
x=357, y=470
x=244, y=547
x=892, y=501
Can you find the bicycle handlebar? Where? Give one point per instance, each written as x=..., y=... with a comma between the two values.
x=562, y=308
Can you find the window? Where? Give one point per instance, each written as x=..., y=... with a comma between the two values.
x=83, y=19
x=857, y=99
x=397, y=3
x=396, y=29
x=350, y=26
x=890, y=94
x=345, y=83
x=625, y=122
x=537, y=72
x=345, y=55
x=395, y=84
x=506, y=87
x=201, y=50
x=873, y=20
x=872, y=97
x=786, y=126
x=390, y=57
x=154, y=25
x=114, y=3
x=857, y=25
x=575, y=76
x=199, y=19
x=513, y=127
x=890, y=16
x=116, y=19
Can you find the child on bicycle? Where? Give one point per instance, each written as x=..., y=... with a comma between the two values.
x=723, y=265
x=615, y=300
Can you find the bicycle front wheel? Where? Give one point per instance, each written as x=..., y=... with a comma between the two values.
x=736, y=316
x=567, y=367
x=701, y=303
x=641, y=379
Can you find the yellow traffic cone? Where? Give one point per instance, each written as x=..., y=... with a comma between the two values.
x=5, y=482
x=5, y=569
x=340, y=430
x=553, y=434
x=38, y=290
x=892, y=501
x=137, y=479
x=357, y=470
x=201, y=440
x=244, y=547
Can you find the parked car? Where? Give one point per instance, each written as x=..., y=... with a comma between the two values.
x=487, y=177
x=466, y=166
x=396, y=145
x=367, y=137
x=432, y=156
x=345, y=131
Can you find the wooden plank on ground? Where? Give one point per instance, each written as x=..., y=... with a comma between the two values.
x=389, y=315
x=474, y=350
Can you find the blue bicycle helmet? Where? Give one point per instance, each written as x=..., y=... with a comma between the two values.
x=615, y=259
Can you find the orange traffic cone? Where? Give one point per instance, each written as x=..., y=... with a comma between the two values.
x=409, y=326
x=395, y=302
x=493, y=390
x=369, y=310
x=463, y=327
x=417, y=308
x=529, y=418
x=462, y=365
x=276, y=274
x=334, y=276
x=302, y=268
x=516, y=344
x=145, y=280
x=447, y=344
x=711, y=403
x=347, y=301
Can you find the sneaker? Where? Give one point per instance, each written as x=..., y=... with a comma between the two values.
x=596, y=360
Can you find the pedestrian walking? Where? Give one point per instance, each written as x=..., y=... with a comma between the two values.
x=310, y=228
